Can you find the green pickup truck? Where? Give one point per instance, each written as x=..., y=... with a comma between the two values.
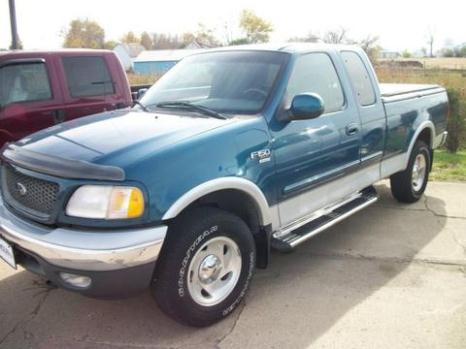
x=233, y=152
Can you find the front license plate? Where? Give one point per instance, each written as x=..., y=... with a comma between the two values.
x=6, y=253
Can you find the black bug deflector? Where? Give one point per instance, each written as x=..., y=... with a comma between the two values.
x=59, y=167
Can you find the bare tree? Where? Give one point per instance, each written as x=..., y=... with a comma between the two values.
x=310, y=37
x=337, y=36
x=430, y=40
x=370, y=45
x=162, y=41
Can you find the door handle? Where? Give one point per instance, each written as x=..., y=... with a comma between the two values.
x=58, y=116
x=352, y=129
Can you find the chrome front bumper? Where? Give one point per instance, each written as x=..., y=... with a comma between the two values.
x=92, y=250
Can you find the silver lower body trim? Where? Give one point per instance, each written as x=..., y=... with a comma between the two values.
x=83, y=249
x=303, y=205
x=319, y=213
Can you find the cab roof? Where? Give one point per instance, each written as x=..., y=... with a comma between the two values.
x=288, y=47
x=61, y=52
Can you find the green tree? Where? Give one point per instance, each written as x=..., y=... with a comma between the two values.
x=84, y=34
x=257, y=29
x=129, y=38
x=463, y=51
x=240, y=41
x=110, y=44
x=406, y=54
x=456, y=123
x=146, y=41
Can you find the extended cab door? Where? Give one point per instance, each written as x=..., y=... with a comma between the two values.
x=311, y=153
x=30, y=98
x=371, y=111
x=88, y=85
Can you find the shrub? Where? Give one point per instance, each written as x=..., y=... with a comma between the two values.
x=456, y=124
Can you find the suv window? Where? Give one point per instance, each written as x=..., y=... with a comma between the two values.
x=87, y=76
x=24, y=82
x=315, y=73
x=359, y=77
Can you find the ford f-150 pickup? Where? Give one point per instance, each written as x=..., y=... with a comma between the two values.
x=233, y=152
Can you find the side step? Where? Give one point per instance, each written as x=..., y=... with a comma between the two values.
x=288, y=241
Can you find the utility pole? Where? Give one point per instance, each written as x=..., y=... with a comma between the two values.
x=14, y=30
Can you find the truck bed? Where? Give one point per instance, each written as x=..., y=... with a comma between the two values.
x=396, y=92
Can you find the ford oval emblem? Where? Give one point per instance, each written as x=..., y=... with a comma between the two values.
x=21, y=188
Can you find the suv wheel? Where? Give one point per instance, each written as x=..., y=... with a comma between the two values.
x=205, y=268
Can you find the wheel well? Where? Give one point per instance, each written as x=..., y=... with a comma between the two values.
x=242, y=205
x=426, y=136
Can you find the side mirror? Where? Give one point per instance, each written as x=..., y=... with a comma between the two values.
x=306, y=106
x=141, y=92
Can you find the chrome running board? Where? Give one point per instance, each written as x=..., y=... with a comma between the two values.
x=290, y=237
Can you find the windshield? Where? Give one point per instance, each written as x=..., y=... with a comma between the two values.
x=237, y=82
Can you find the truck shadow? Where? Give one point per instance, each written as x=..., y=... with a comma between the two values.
x=291, y=304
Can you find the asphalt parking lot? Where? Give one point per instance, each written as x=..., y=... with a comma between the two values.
x=392, y=276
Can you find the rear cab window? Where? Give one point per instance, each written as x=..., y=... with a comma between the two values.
x=315, y=73
x=24, y=82
x=360, y=78
x=87, y=76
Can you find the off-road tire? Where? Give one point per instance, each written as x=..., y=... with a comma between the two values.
x=401, y=182
x=184, y=238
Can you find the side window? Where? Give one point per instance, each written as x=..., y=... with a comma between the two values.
x=360, y=77
x=24, y=82
x=87, y=76
x=314, y=72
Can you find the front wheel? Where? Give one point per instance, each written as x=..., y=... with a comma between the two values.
x=205, y=268
x=409, y=185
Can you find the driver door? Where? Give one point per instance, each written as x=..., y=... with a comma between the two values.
x=311, y=153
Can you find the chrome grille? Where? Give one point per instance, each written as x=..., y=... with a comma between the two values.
x=30, y=194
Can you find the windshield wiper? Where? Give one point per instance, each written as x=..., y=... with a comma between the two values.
x=187, y=105
x=143, y=107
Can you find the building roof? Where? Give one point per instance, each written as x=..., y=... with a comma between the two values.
x=164, y=55
x=133, y=49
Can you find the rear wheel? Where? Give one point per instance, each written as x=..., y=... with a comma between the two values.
x=205, y=268
x=409, y=185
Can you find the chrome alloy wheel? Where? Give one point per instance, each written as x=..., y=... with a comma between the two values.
x=418, y=174
x=214, y=271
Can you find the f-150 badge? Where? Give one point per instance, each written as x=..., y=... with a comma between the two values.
x=262, y=155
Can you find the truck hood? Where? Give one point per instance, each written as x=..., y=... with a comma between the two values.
x=96, y=137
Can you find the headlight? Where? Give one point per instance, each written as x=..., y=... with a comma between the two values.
x=106, y=202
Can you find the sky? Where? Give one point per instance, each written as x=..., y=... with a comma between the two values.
x=400, y=24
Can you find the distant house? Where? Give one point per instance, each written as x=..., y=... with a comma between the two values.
x=159, y=62
x=127, y=53
x=389, y=55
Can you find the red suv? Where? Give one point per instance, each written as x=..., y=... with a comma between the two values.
x=41, y=89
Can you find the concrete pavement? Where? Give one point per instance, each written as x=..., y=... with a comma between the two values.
x=392, y=276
